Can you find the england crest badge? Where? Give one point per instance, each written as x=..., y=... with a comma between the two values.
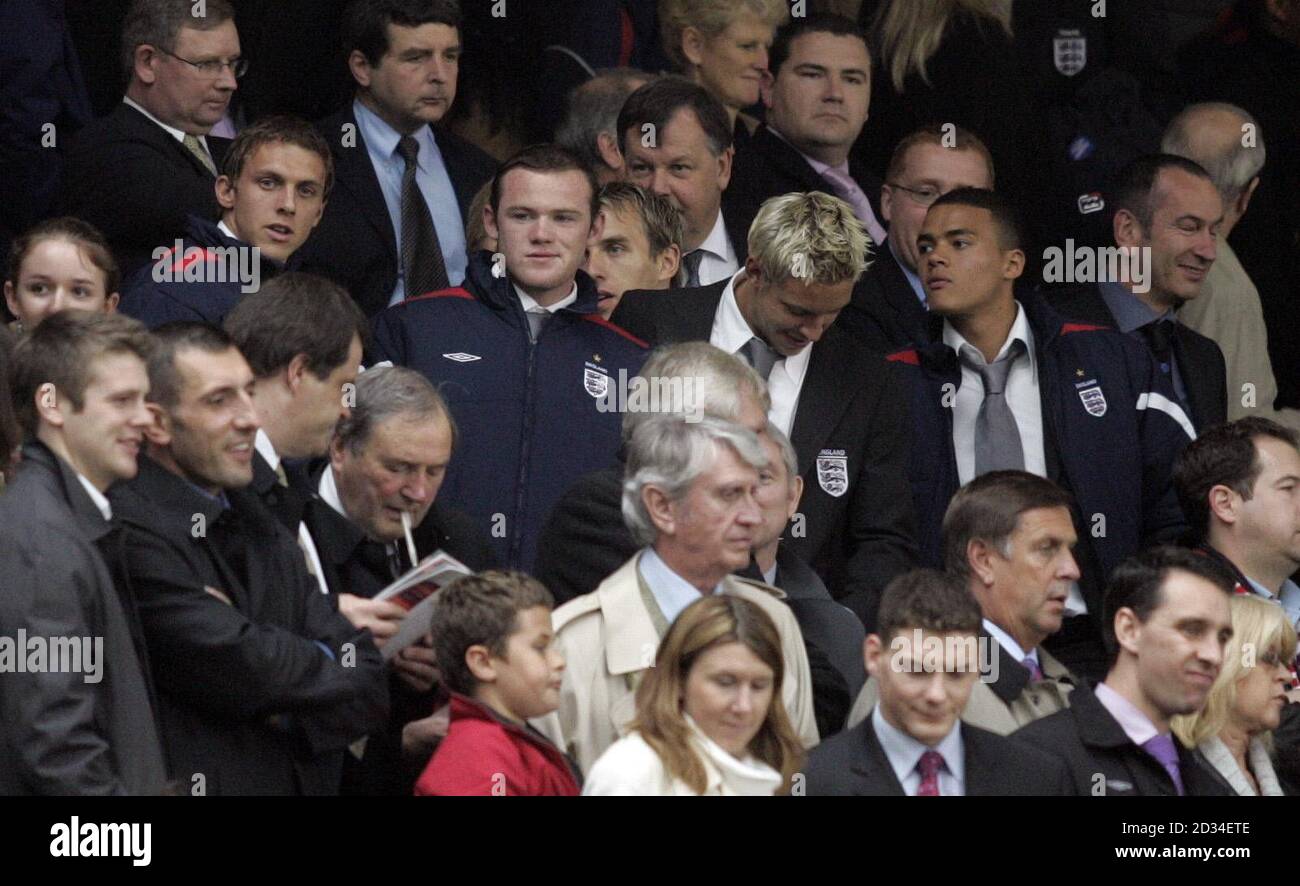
x=833, y=471
x=1093, y=400
x=1070, y=51
x=595, y=381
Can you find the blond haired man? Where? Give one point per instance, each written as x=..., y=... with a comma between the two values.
x=839, y=403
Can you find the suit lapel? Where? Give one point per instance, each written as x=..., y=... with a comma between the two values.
x=901, y=298
x=154, y=133
x=821, y=399
x=691, y=317
x=357, y=175
x=872, y=769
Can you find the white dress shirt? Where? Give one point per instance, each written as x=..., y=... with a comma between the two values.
x=731, y=332
x=720, y=261
x=672, y=592
x=97, y=497
x=904, y=753
x=530, y=304
x=1007, y=642
x=264, y=448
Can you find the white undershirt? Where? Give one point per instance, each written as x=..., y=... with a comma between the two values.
x=264, y=447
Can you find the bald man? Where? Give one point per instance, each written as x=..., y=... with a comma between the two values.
x=1227, y=141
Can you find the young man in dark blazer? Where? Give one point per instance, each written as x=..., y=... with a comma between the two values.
x=925, y=660
x=841, y=405
x=395, y=227
x=79, y=385
x=1167, y=208
x=816, y=106
x=139, y=172
x=1167, y=622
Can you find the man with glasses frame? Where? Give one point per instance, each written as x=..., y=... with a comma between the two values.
x=137, y=173
x=889, y=310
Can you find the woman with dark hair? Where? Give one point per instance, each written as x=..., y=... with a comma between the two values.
x=63, y=264
x=709, y=719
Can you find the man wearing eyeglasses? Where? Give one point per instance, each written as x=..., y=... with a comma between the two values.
x=889, y=309
x=137, y=173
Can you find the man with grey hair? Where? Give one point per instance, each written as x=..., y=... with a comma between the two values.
x=590, y=125
x=387, y=458
x=1227, y=141
x=139, y=172
x=843, y=406
x=688, y=498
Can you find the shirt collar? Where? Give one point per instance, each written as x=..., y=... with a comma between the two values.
x=529, y=303
x=382, y=138
x=816, y=164
x=1288, y=596
x=329, y=490
x=1129, y=311
x=1136, y=725
x=912, y=277
x=1007, y=642
x=264, y=447
x=97, y=497
x=717, y=243
x=1019, y=330
x=178, y=134
x=904, y=752
x=672, y=592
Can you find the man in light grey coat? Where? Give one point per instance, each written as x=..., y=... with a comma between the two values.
x=76, y=716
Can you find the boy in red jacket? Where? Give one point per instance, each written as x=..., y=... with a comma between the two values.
x=496, y=651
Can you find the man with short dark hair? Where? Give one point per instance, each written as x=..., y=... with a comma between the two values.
x=816, y=103
x=1167, y=623
x=1167, y=214
x=262, y=684
x=139, y=172
x=396, y=228
x=1009, y=385
x=275, y=184
x=526, y=362
x=640, y=244
x=925, y=658
x=676, y=141
x=590, y=125
x=79, y=383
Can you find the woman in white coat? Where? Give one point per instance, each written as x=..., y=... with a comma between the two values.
x=709, y=721
x=1234, y=731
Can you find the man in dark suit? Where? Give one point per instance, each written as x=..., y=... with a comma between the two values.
x=79, y=385
x=387, y=457
x=816, y=106
x=1008, y=385
x=262, y=684
x=925, y=660
x=1167, y=623
x=139, y=172
x=1167, y=212
x=841, y=405
x=395, y=228
x=889, y=309
x=219, y=261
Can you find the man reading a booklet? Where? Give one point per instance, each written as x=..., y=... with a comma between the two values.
x=385, y=467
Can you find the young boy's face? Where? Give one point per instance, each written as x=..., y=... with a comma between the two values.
x=528, y=675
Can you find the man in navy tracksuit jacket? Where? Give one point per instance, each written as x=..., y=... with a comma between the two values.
x=528, y=416
x=219, y=268
x=1111, y=426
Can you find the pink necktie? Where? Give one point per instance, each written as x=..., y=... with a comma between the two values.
x=848, y=191
x=929, y=765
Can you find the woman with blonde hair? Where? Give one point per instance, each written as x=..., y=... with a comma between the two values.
x=1234, y=730
x=722, y=45
x=709, y=719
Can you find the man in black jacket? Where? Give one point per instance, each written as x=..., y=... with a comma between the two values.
x=137, y=173
x=396, y=226
x=843, y=407
x=388, y=456
x=79, y=382
x=816, y=107
x=925, y=661
x=262, y=683
x=1167, y=622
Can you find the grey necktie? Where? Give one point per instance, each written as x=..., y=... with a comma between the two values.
x=537, y=318
x=760, y=356
x=997, y=439
x=692, y=264
x=422, y=262
x=195, y=147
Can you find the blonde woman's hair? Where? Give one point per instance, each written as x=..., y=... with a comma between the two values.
x=813, y=236
x=705, y=624
x=710, y=18
x=1259, y=629
x=907, y=33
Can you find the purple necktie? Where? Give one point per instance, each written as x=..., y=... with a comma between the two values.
x=848, y=191
x=1162, y=747
x=1035, y=672
x=929, y=765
